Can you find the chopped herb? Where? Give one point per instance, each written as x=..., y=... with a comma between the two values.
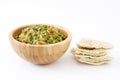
x=35, y=37
x=49, y=41
x=55, y=41
x=45, y=27
x=58, y=34
x=47, y=36
x=34, y=28
x=31, y=38
x=39, y=26
x=58, y=38
x=25, y=32
x=41, y=32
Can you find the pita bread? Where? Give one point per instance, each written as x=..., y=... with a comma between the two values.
x=92, y=63
x=93, y=60
x=87, y=52
x=93, y=44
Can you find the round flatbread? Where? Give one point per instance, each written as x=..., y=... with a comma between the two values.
x=93, y=60
x=93, y=44
x=87, y=52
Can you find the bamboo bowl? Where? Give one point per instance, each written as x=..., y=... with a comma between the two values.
x=40, y=54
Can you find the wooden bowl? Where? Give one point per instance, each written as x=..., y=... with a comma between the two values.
x=40, y=54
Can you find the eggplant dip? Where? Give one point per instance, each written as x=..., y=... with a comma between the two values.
x=41, y=34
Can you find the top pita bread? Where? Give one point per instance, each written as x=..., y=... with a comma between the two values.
x=93, y=44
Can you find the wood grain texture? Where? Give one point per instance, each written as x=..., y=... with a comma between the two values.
x=40, y=54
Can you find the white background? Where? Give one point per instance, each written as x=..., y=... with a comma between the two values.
x=94, y=19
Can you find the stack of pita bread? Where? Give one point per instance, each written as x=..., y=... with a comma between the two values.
x=92, y=52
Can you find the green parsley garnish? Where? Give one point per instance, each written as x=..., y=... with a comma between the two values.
x=31, y=38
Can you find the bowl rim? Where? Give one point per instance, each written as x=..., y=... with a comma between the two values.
x=36, y=45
